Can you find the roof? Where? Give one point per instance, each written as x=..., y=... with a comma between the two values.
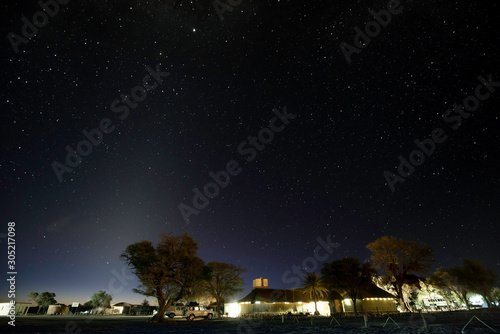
x=122, y=304
x=373, y=292
x=276, y=296
x=297, y=295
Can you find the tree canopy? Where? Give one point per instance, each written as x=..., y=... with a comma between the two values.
x=100, y=301
x=145, y=307
x=167, y=271
x=402, y=260
x=478, y=278
x=43, y=300
x=224, y=282
x=446, y=280
x=495, y=295
x=349, y=276
x=472, y=276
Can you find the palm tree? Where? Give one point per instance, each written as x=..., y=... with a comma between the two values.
x=315, y=288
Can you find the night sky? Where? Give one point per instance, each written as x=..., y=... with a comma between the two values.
x=322, y=174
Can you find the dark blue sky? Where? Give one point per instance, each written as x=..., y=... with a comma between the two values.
x=322, y=175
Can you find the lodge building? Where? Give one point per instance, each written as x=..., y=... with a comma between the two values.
x=262, y=299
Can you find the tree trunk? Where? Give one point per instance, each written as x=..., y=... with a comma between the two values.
x=219, y=311
x=487, y=300
x=408, y=306
x=465, y=300
x=162, y=300
x=355, y=306
x=399, y=293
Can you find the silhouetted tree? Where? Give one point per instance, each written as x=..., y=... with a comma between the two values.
x=401, y=260
x=167, y=269
x=145, y=307
x=225, y=281
x=100, y=301
x=349, y=276
x=315, y=288
x=477, y=278
x=43, y=300
x=428, y=289
x=495, y=295
x=446, y=279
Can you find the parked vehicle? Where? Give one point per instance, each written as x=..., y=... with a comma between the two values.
x=192, y=312
x=177, y=310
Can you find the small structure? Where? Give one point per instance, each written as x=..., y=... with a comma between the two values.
x=57, y=309
x=20, y=308
x=260, y=283
x=75, y=307
x=121, y=308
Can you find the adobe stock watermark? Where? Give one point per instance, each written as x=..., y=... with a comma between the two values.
x=94, y=137
x=39, y=20
x=221, y=179
x=321, y=253
x=221, y=7
x=454, y=116
x=372, y=29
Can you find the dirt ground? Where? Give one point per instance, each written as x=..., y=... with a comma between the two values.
x=443, y=322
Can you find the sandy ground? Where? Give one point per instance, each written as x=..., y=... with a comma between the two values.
x=449, y=322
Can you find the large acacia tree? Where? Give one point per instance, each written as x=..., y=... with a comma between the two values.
x=349, y=276
x=446, y=280
x=43, y=300
x=401, y=260
x=224, y=282
x=472, y=276
x=479, y=278
x=167, y=271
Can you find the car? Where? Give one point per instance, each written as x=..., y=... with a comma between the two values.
x=192, y=312
x=177, y=310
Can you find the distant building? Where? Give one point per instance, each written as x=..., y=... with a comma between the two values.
x=19, y=309
x=57, y=309
x=121, y=308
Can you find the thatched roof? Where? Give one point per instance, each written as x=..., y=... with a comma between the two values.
x=297, y=295
x=373, y=292
x=277, y=296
